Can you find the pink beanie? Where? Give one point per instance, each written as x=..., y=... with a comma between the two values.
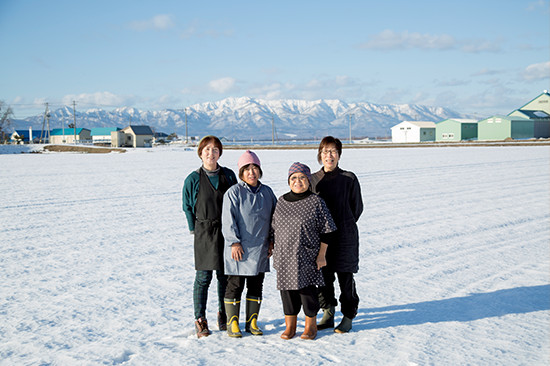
x=248, y=157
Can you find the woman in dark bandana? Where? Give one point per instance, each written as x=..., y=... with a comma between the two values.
x=300, y=223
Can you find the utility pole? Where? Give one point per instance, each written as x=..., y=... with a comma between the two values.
x=272, y=130
x=74, y=115
x=186, y=138
x=45, y=133
x=350, y=116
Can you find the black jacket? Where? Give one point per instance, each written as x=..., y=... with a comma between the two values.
x=342, y=193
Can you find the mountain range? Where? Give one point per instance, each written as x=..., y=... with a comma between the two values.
x=248, y=118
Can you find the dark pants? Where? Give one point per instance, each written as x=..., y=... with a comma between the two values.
x=349, y=299
x=200, y=291
x=294, y=300
x=235, y=286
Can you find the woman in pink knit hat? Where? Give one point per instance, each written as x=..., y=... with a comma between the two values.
x=246, y=226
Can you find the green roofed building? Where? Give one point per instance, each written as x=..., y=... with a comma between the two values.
x=67, y=135
x=539, y=104
x=517, y=128
x=532, y=121
x=456, y=130
x=102, y=135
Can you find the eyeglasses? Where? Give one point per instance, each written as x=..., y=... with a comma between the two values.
x=329, y=152
x=294, y=178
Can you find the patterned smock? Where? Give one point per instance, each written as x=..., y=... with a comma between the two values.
x=297, y=228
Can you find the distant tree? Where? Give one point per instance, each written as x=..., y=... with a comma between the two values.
x=172, y=136
x=71, y=125
x=5, y=122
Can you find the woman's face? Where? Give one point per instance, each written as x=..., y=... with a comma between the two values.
x=298, y=182
x=210, y=155
x=251, y=174
x=330, y=157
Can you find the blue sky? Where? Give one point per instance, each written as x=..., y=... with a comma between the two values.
x=484, y=57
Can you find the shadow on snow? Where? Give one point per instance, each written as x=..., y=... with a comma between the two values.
x=518, y=300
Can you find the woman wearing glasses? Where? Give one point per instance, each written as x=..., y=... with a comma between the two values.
x=342, y=193
x=300, y=221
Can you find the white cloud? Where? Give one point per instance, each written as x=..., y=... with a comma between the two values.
x=39, y=102
x=99, y=99
x=158, y=22
x=487, y=72
x=18, y=99
x=222, y=85
x=478, y=46
x=452, y=82
x=537, y=5
x=537, y=71
x=195, y=30
x=390, y=40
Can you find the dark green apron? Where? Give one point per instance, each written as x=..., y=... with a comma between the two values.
x=208, y=212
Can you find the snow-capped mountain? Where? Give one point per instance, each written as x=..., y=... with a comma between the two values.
x=249, y=118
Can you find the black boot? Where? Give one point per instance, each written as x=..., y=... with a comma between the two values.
x=222, y=320
x=344, y=326
x=232, y=309
x=327, y=321
x=252, y=310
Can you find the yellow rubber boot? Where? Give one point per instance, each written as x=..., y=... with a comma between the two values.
x=252, y=310
x=232, y=309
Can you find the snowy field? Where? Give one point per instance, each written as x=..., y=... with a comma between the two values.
x=96, y=262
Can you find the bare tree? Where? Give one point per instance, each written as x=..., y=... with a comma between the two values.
x=5, y=122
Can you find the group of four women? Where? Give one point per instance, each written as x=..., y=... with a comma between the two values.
x=311, y=232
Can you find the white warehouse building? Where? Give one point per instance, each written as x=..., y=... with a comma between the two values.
x=413, y=131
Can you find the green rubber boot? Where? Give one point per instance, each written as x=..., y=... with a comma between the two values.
x=232, y=309
x=327, y=321
x=252, y=310
x=345, y=325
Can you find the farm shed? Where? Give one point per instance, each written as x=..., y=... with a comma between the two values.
x=456, y=130
x=413, y=131
x=132, y=136
x=503, y=127
x=540, y=103
x=22, y=136
x=67, y=135
x=102, y=135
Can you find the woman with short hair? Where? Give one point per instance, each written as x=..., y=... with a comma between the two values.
x=341, y=191
x=202, y=198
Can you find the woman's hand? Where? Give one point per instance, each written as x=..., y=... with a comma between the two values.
x=237, y=251
x=321, y=261
x=321, y=257
x=270, y=250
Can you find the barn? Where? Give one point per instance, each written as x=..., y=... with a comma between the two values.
x=67, y=135
x=413, y=131
x=132, y=136
x=518, y=128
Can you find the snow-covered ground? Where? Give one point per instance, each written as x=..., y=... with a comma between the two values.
x=96, y=262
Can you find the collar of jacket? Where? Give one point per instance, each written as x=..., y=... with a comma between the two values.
x=245, y=185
